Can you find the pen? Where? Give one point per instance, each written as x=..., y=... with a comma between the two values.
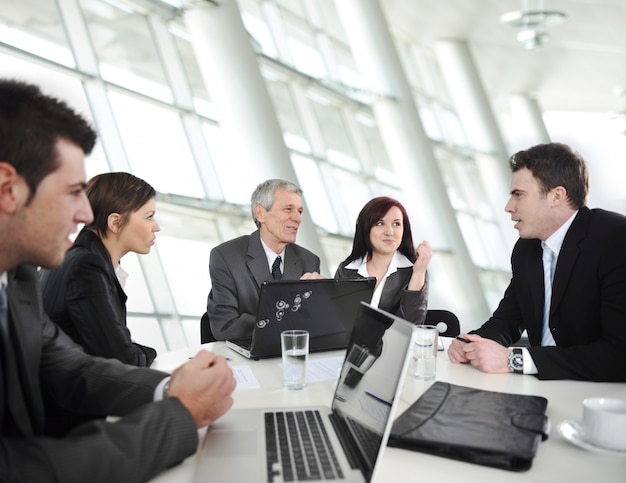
x=227, y=358
x=461, y=339
x=378, y=399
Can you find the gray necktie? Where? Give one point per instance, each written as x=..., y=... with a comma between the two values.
x=548, y=276
x=276, y=273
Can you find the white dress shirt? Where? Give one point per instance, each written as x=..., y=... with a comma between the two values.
x=555, y=242
x=271, y=256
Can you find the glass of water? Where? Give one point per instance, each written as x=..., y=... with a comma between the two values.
x=295, y=352
x=425, y=352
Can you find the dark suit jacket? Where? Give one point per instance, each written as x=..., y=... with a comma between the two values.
x=411, y=305
x=588, y=309
x=84, y=297
x=238, y=267
x=39, y=358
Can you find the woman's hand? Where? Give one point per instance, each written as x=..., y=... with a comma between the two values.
x=424, y=254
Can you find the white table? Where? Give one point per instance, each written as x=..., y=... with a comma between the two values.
x=556, y=459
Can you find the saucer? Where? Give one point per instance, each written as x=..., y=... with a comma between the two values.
x=573, y=432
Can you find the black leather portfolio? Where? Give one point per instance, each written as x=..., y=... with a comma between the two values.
x=488, y=428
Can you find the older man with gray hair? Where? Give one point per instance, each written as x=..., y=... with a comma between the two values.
x=239, y=267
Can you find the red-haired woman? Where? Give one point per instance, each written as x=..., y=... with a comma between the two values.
x=383, y=248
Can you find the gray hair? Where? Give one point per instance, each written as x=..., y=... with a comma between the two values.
x=264, y=194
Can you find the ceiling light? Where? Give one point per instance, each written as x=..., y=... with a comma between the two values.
x=532, y=23
x=531, y=39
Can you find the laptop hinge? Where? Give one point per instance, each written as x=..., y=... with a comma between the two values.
x=355, y=458
x=239, y=349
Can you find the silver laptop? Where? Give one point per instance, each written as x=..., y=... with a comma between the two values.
x=342, y=441
x=324, y=307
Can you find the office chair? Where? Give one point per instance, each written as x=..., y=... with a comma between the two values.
x=206, y=334
x=446, y=322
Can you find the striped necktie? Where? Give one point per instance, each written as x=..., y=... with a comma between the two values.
x=548, y=275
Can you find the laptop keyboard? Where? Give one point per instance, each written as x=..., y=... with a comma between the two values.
x=369, y=440
x=299, y=448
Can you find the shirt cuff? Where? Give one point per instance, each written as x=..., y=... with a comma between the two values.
x=158, y=391
x=529, y=364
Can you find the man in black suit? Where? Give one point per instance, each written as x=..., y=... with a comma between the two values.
x=239, y=267
x=42, y=200
x=572, y=257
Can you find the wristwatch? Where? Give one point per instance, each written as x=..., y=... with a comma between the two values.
x=516, y=361
x=166, y=389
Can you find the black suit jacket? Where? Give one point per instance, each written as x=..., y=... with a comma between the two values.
x=238, y=267
x=588, y=308
x=84, y=297
x=39, y=358
x=411, y=305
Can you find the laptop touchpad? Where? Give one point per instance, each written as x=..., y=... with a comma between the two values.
x=229, y=443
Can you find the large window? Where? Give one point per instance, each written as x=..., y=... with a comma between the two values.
x=156, y=118
x=156, y=146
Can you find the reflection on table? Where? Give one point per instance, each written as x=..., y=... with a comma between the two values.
x=556, y=460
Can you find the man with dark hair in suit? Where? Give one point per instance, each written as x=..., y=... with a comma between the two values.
x=43, y=144
x=239, y=267
x=568, y=289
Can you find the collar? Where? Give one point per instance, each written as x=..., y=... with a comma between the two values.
x=555, y=241
x=4, y=279
x=121, y=274
x=271, y=254
x=398, y=261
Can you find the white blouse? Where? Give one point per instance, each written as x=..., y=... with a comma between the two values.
x=360, y=265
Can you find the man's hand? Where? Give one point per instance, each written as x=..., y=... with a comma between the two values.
x=455, y=352
x=311, y=276
x=204, y=385
x=484, y=354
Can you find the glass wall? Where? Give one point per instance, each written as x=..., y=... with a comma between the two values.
x=130, y=68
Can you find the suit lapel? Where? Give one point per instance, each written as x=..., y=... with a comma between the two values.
x=24, y=348
x=93, y=243
x=393, y=287
x=293, y=264
x=534, y=281
x=259, y=267
x=257, y=260
x=568, y=255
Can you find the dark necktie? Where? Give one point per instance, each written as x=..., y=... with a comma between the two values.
x=276, y=273
x=4, y=330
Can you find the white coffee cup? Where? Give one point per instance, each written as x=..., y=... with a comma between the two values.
x=604, y=422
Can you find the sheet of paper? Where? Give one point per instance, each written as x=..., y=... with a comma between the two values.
x=245, y=378
x=374, y=406
x=325, y=369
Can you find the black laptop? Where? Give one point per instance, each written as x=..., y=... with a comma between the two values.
x=324, y=307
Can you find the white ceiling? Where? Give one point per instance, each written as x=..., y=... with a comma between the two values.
x=579, y=69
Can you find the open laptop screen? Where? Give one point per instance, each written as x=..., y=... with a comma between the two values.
x=370, y=379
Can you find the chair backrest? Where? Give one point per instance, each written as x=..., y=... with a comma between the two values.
x=206, y=334
x=446, y=321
